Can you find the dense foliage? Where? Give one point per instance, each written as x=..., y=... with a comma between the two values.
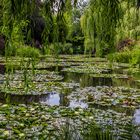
x=48, y=92
x=106, y=23
x=47, y=24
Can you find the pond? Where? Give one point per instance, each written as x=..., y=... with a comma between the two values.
x=69, y=97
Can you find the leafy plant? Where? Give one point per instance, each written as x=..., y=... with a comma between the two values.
x=123, y=57
x=127, y=56
x=135, y=56
x=27, y=51
x=59, y=48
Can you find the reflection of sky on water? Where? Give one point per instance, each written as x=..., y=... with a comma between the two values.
x=52, y=99
x=57, y=99
x=136, y=119
x=1, y=81
x=78, y=104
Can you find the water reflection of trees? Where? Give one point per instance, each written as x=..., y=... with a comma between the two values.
x=87, y=80
x=64, y=100
x=2, y=68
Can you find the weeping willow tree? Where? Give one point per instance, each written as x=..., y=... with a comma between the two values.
x=21, y=21
x=17, y=13
x=14, y=22
x=102, y=21
x=75, y=35
x=130, y=22
x=18, y=23
x=56, y=13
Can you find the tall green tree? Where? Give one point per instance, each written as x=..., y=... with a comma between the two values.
x=23, y=10
x=100, y=22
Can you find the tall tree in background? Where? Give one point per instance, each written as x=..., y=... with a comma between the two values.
x=100, y=24
x=51, y=21
x=75, y=35
x=24, y=19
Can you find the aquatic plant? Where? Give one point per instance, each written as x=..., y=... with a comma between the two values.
x=41, y=121
x=123, y=57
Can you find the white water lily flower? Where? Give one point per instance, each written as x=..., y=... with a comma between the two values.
x=6, y=133
x=21, y=135
x=76, y=113
x=91, y=117
x=80, y=110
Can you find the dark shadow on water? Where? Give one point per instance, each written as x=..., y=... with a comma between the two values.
x=52, y=99
x=2, y=68
x=86, y=80
x=21, y=99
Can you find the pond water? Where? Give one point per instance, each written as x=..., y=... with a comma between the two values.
x=75, y=88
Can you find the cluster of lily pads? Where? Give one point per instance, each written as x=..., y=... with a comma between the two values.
x=43, y=122
x=107, y=96
x=36, y=75
x=86, y=69
x=114, y=75
x=38, y=88
x=87, y=108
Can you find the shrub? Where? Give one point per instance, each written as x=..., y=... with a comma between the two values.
x=59, y=48
x=124, y=44
x=27, y=51
x=67, y=49
x=127, y=56
x=10, y=50
x=135, y=56
x=123, y=57
x=50, y=49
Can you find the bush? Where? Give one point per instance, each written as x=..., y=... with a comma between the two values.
x=123, y=57
x=59, y=48
x=135, y=57
x=67, y=49
x=50, y=49
x=27, y=51
x=127, y=56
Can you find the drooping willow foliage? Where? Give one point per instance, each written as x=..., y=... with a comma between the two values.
x=130, y=23
x=104, y=20
x=19, y=19
x=19, y=13
x=58, y=19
